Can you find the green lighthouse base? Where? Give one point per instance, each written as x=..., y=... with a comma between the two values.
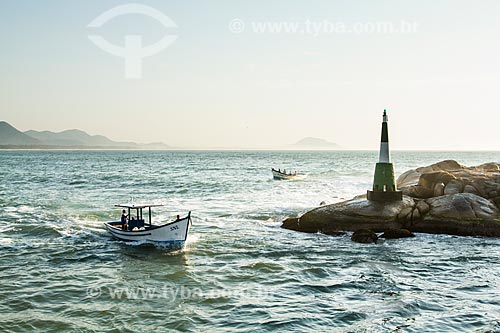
x=384, y=196
x=384, y=185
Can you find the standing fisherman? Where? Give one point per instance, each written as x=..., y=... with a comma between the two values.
x=124, y=220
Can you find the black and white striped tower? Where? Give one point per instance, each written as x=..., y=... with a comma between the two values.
x=384, y=142
x=384, y=184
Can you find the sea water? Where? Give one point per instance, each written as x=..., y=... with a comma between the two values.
x=239, y=271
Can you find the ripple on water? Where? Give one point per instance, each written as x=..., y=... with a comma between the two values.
x=263, y=267
x=239, y=272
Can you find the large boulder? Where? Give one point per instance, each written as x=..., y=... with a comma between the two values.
x=412, y=177
x=454, y=187
x=353, y=215
x=461, y=206
x=463, y=214
x=450, y=177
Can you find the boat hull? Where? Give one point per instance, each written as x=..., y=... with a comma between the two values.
x=284, y=176
x=172, y=233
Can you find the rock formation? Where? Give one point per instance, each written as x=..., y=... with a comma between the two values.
x=443, y=198
x=365, y=236
x=397, y=233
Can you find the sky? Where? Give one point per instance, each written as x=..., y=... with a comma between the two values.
x=223, y=84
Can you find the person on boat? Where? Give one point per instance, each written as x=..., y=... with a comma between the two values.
x=124, y=220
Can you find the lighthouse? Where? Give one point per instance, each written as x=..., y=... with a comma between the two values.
x=384, y=185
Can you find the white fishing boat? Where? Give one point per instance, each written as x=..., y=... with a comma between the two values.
x=172, y=233
x=283, y=175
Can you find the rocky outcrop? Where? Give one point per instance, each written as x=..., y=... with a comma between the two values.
x=397, y=233
x=443, y=198
x=365, y=236
x=450, y=177
x=355, y=214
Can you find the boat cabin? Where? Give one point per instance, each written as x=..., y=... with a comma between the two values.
x=137, y=221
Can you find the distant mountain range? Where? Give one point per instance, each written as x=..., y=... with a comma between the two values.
x=12, y=137
x=315, y=143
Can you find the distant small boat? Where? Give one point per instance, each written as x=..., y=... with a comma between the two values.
x=283, y=175
x=172, y=233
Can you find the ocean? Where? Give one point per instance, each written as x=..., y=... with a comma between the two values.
x=60, y=271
